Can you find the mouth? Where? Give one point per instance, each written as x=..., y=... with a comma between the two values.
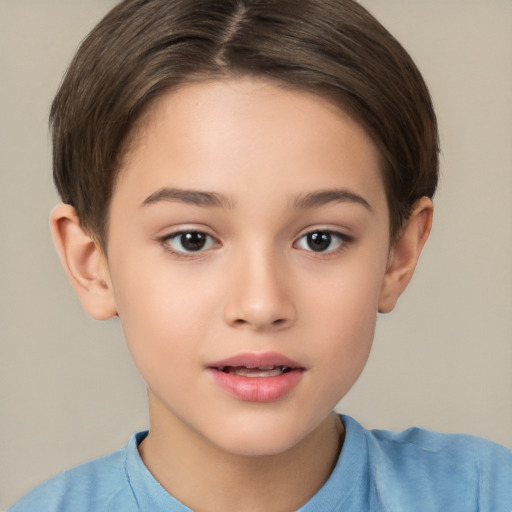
x=257, y=377
x=258, y=371
x=266, y=364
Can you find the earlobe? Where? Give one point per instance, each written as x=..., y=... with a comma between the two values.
x=84, y=262
x=404, y=254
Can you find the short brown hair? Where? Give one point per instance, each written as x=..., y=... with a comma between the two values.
x=144, y=48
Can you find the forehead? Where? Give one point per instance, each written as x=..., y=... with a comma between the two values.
x=248, y=133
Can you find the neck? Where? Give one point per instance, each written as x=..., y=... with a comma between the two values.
x=208, y=479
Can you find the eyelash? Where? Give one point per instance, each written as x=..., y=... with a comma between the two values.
x=326, y=236
x=178, y=235
x=341, y=238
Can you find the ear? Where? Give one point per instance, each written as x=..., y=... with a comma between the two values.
x=84, y=262
x=404, y=253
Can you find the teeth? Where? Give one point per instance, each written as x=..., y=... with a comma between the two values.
x=255, y=372
x=262, y=371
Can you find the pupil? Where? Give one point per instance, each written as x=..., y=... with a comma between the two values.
x=319, y=241
x=193, y=241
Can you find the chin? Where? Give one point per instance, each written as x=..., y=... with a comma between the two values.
x=259, y=437
x=258, y=445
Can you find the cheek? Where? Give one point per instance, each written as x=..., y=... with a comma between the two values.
x=351, y=319
x=347, y=295
x=162, y=318
x=345, y=316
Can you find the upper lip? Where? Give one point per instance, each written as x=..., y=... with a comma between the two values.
x=257, y=360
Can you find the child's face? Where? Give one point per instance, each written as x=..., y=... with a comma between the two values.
x=282, y=199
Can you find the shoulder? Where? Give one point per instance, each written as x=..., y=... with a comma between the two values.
x=99, y=485
x=416, y=445
x=450, y=468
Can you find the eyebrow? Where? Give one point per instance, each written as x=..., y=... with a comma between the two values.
x=188, y=196
x=323, y=197
x=216, y=200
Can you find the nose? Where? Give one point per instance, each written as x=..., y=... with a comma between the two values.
x=259, y=294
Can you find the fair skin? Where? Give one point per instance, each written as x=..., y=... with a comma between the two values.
x=248, y=228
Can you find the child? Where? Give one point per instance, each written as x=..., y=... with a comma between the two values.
x=246, y=184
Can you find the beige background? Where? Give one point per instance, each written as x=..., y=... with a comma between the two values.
x=442, y=360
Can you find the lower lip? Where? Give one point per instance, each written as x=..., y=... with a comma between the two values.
x=257, y=389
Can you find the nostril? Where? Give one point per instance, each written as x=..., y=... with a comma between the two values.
x=258, y=311
x=279, y=323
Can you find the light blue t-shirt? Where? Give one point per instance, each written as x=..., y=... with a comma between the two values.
x=377, y=471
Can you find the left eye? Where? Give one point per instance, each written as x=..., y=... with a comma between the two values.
x=189, y=241
x=321, y=241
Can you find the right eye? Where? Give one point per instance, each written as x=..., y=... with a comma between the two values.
x=187, y=242
x=322, y=241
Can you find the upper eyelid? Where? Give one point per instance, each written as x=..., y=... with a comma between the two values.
x=332, y=231
x=178, y=231
x=172, y=232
